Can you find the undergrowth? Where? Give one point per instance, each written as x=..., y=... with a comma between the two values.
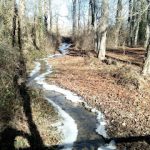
x=126, y=75
x=12, y=106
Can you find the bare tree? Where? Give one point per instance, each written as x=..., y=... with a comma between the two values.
x=21, y=24
x=101, y=31
x=79, y=15
x=146, y=68
x=50, y=15
x=131, y=22
x=137, y=21
x=147, y=35
x=74, y=14
x=92, y=11
x=118, y=22
x=15, y=15
x=46, y=16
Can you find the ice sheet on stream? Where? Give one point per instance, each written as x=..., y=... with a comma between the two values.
x=68, y=121
x=63, y=48
x=68, y=127
x=36, y=69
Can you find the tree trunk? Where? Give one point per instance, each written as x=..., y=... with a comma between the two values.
x=102, y=31
x=45, y=16
x=92, y=12
x=136, y=34
x=147, y=35
x=102, y=46
x=21, y=24
x=118, y=22
x=14, y=24
x=137, y=21
x=131, y=22
x=79, y=15
x=146, y=68
x=74, y=18
x=50, y=16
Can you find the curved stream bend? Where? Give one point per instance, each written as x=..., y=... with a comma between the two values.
x=82, y=126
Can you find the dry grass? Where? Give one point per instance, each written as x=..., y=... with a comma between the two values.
x=44, y=116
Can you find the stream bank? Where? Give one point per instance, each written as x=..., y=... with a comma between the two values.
x=82, y=126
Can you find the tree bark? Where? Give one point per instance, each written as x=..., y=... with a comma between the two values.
x=146, y=68
x=118, y=22
x=14, y=24
x=45, y=16
x=102, y=31
x=21, y=24
x=79, y=15
x=137, y=21
x=74, y=14
x=131, y=22
x=50, y=15
x=147, y=35
x=92, y=12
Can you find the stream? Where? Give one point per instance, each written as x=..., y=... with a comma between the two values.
x=82, y=126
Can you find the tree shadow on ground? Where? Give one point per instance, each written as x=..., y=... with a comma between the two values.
x=131, y=139
x=7, y=137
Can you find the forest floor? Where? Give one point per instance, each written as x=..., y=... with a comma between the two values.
x=117, y=89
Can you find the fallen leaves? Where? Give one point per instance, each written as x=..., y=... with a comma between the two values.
x=126, y=109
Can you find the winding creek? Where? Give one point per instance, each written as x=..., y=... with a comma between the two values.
x=82, y=126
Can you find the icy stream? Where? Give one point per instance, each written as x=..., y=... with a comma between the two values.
x=82, y=126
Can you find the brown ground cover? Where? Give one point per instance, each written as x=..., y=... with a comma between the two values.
x=130, y=55
x=126, y=108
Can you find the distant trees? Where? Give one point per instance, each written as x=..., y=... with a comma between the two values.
x=90, y=24
x=31, y=31
x=6, y=15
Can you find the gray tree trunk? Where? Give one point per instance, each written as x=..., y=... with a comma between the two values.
x=131, y=22
x=74, y=15
x=50, y=15
x=147, y=35
x=21, y=24
x=118, y=22
x=79, y=15
x=102, y=30
x=15, y=15
x=45, y=16
x=146, y=68
x=137, y=21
